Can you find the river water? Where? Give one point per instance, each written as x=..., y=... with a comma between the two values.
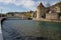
x=31, y=30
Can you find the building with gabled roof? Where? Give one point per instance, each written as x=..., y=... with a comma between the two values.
x=40, y=10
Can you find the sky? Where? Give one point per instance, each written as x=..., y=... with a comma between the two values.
x=22, y=5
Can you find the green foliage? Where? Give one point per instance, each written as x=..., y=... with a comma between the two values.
x=27, y=15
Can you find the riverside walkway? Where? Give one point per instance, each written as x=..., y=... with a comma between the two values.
x=1, y=37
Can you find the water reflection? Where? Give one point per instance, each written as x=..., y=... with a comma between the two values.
x=30, y=30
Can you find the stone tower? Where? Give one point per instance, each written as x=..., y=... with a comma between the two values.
x=40, y=10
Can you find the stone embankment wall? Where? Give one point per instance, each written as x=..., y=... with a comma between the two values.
x=50, y=20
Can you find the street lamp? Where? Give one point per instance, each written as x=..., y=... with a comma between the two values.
x=1, y=13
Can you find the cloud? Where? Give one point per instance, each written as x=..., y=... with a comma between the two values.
x=2, y=7
x=25, y=3
x=29, y=3
x=55, y=2
x=6, y=1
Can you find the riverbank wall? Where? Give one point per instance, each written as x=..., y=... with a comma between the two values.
x=49, y=20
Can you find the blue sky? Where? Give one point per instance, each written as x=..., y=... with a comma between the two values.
x=22, y=5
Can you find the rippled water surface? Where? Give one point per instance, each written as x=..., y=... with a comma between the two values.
x=31, y=30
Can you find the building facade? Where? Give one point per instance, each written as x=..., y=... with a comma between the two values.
x=40, y=11
x=23, y=15
x=54, y=12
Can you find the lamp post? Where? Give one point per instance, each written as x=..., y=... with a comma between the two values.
x=1, y=13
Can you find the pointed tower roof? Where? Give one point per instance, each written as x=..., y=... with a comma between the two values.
x=40, y=6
